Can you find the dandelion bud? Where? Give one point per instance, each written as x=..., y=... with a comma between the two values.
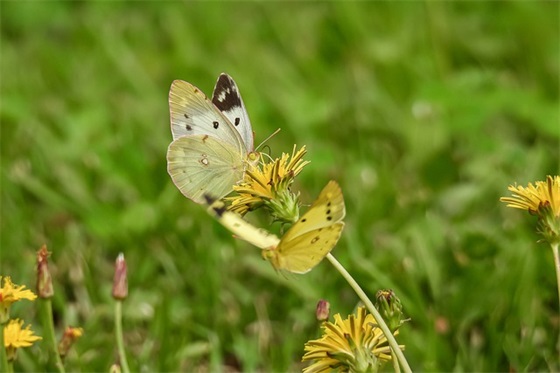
x=44, y=279
x=120, y=282
x=323, y=310
x=390, y=307
x=68, y=338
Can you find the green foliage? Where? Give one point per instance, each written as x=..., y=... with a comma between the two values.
x=423, y=112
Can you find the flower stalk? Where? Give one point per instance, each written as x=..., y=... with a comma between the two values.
x=120, y=292
x=45, y=292
x=395, y=349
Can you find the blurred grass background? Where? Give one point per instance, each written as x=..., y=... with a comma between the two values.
x=424, y=112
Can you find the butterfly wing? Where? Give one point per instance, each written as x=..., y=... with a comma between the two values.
x=314, y=235
x=241, y=228
x=202, y=164
x=192, y=113
x=327, y=209
x=227, y=99
x=302, y=253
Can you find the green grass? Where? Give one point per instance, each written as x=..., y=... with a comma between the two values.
x=424, y=112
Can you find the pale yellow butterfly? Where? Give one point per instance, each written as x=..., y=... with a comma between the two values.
x=212, y=140
x=306, y=243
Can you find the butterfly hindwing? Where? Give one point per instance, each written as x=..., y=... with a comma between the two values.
x=304, y=252
x=202, y=164
x=314, y=235
x=192, y=113
x=227, y=99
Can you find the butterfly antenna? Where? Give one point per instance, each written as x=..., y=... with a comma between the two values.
x=267, y=155
x=268, y=138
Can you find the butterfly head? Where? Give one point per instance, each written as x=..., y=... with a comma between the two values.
x=253, y=158
x=271, y=255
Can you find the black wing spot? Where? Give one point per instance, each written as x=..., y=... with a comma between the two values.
x=237, y=120
x=220, y=210
x=315, y=239
x=186, y=116
x=329, y=218
x=328, y=211
x=209, y=199
x=303, y=220
x=188, y=127
x=328, y=204
x=216, y=124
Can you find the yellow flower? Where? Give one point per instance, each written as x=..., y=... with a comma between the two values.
x=10, y=293
x=543, y=200
x=267, y=184
x=15, y=337
x=354, y=344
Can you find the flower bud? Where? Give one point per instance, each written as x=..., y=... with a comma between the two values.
x=44, y=279
x=323, y=310
x=120, y=282
x=68, y=338
x=390, y=307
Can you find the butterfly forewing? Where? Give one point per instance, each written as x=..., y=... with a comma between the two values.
x=192, y=113
x=327, y=209
x=227, y=99
x=202, y=164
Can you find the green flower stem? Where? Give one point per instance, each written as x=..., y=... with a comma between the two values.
x=119, y=335
x=396, y=366
x=50, y=336
x=3, y=357
x=362, y=295
x=557, y=266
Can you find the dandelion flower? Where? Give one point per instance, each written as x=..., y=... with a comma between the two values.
x=355, y=344
x=543, y=200
x=10, y=293
x=268, y=184
x=15, y=337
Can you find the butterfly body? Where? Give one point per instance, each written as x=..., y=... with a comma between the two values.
x=212, y=139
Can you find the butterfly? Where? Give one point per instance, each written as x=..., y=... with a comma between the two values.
x=305, y=244
x=212, y=140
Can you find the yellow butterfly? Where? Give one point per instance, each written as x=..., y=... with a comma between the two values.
x=305, y=244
